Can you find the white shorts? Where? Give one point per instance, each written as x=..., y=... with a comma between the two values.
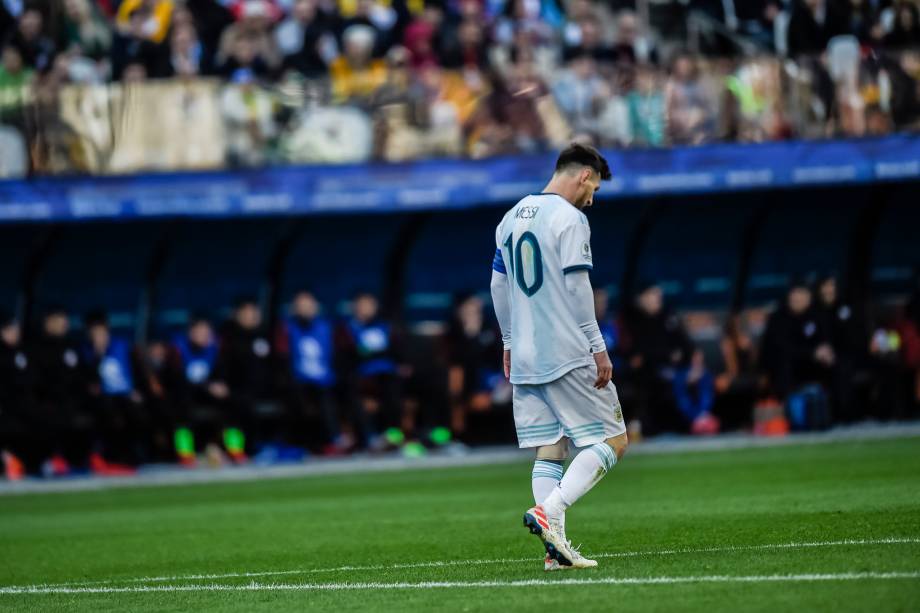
x=568, y=406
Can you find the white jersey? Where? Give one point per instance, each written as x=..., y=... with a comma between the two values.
x=541, y=239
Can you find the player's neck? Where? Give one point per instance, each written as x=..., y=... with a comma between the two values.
x=559, y=188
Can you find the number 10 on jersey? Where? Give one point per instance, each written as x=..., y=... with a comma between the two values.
x=525, y=256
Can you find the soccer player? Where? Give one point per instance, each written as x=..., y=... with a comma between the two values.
x=554, y=352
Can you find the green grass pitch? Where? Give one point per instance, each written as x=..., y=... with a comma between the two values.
x=832, y=527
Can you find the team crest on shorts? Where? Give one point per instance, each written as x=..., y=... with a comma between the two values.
x=618, y=413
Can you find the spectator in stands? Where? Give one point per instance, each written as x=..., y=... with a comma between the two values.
x=306, y=341
x=863, y=20
x=15, y=80
x=647, y=109
x=305, y=39
x=245, y=365
x=35, y=46
x=906, y=30
x=631, y=45
x=582, y=94
x=187, y=55
x=133, y=46
x=155, y=16
x=244, y=46
x=812, y=24
x=591, y=43
x=249, y=118
x=467, y=48
x=372, y=351
x=356, y=74
x=475, y=380
x=112, y=371
x=658, y=345
x=205, y=417
x=86, y=29
x=688, y=109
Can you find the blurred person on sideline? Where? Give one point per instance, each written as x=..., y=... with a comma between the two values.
x=60, y=394
x=306, y=341
x=796, y=351
x=22, y=438
x=656, y=345
x=205, y=417
x=111, y=375
x=849, y=338
x=475, y=381
x=738, y=384
x=245, y=364
x=371, y=351
x=694, y=393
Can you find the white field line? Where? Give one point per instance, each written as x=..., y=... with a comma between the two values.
x=451, y=563
x=426, y=585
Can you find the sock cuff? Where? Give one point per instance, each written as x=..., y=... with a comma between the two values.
x=545, y=468
x=605, y=453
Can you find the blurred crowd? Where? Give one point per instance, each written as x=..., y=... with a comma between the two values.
x=107, y=85
x=312, y=384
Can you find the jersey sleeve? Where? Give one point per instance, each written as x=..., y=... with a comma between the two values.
x=575, y=247
x=498, y=262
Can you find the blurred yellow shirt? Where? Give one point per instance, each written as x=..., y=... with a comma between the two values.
x=348, y=82
x=162, y=14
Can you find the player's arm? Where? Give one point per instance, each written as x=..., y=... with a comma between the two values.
x=501, y=301
x=581, y=297
x=575, y=246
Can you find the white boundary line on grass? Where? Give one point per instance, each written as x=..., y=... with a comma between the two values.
x=426, y=585
x=451, y=563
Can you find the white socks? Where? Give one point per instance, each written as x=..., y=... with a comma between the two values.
x=588, y=467
x=545, y=477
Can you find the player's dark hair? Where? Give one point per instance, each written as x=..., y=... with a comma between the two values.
x=583, y=155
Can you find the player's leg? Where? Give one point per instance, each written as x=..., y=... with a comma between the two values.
x=538, y=427
x=594, y=420
x=548, y=468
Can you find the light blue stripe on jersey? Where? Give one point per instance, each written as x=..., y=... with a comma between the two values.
x=498, y=263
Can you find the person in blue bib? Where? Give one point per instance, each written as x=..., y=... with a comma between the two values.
x=372, y=351
x=200, y=395
x=114, y=399
x=305, y=341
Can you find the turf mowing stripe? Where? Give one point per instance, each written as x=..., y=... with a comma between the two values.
x=449, y=563
x=307, y=587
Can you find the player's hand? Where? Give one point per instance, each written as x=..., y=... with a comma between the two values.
x=604, y=369
x=506, y=363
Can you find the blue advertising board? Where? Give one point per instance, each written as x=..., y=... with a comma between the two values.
x=446, y=184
